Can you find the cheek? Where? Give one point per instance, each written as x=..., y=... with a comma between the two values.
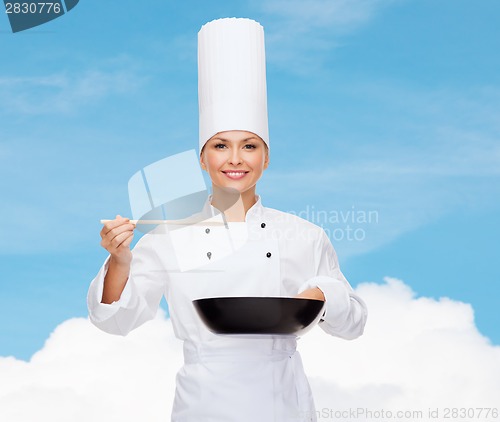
x=213, y=163
x=258, y=162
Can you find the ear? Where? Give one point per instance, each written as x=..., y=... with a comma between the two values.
x=266, y=160
x=202, y=164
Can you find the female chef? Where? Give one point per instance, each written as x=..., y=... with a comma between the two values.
x=265, y=252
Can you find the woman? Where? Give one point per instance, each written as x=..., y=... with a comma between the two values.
x=228, y=378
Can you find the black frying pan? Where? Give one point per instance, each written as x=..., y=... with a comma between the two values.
x=258, y=315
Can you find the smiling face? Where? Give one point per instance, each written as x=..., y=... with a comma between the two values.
x=235, y=159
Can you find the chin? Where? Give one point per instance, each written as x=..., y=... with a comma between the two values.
x=233, y=187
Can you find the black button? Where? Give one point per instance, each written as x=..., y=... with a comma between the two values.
x=207, y=231
x=268, y=254
x=263, y=225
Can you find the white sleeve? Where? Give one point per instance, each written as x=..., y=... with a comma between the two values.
x=140, y=298
x=345, y=312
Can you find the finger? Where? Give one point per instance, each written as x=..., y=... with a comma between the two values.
x=303, y=295
x=128, y=241
x=118, y=241
x=110, y=235
x=110, y=225
x=116, y=235
x=124, y=226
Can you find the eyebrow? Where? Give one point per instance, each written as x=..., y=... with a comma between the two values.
x=243, y=140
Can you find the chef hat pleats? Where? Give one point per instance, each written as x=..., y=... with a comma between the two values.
x=232, y=78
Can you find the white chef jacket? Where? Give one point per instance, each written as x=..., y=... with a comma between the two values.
x=233, y=377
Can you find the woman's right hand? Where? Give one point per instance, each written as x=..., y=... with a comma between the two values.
x=116, y=237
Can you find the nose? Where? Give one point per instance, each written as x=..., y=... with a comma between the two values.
x=235, y=157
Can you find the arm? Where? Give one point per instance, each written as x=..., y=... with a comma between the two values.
x=345, y=312
x=127, y=290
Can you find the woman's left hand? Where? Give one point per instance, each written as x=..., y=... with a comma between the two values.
x=314, y=293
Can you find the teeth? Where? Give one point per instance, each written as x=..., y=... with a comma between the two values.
x=235, y=174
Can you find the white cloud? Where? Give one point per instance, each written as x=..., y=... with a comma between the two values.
x=335, y=14
x=365, y=205
x=300, y=29
x=420, y=155
x=84, y=375
x=66, y=91
x=416, y=354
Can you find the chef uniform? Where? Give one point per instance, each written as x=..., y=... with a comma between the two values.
x=233, y=378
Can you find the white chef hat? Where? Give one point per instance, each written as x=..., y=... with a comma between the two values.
x=232, y=78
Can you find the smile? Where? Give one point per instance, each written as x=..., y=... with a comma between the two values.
x=235, y=175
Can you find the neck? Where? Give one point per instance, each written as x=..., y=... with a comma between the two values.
x=232, y=203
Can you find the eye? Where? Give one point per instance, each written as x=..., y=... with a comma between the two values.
x=219, y=145
x=250, y=146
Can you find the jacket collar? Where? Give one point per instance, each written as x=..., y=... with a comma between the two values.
x=254, y=213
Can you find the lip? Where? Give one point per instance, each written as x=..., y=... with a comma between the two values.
x=235, y=174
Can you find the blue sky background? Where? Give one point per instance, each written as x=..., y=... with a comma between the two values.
x=383, y=107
